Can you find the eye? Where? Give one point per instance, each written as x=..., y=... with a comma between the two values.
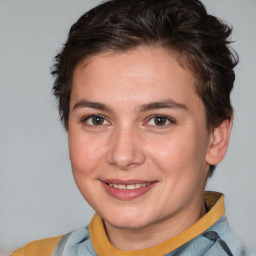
x=160, y=120
x=95, y=120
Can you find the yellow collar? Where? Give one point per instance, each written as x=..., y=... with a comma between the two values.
x=215, y=204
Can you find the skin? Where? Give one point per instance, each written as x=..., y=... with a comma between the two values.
x=127, y=143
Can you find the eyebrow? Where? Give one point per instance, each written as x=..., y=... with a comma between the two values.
x=89, y=104
x=168, y=103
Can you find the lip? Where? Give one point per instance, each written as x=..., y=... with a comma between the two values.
x=127, y=194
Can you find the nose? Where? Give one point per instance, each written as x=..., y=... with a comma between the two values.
x=125, y=149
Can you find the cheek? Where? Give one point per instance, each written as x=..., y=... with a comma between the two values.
x=85, y=153
x=177, y=153
x=171, y=149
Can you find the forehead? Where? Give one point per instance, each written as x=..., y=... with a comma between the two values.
x=134, y=77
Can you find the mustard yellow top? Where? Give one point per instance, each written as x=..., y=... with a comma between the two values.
x=42, y=247
x=214, y=202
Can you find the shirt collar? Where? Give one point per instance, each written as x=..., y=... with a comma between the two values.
x=215, y=205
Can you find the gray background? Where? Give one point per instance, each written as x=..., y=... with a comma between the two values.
x=38, y=197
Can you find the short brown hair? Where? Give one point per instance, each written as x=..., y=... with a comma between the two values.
x=199, y=41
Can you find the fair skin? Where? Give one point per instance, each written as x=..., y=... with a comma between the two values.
x=139, y=147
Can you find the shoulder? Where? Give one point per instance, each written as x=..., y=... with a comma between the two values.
x=73, y=242
x=42, y=247
x=225, y=240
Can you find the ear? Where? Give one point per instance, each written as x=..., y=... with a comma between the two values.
x=219, y=140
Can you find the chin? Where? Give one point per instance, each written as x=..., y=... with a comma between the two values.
x=131, y=220
x=128, y=224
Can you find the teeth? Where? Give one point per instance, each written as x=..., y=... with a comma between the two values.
x=131, y=186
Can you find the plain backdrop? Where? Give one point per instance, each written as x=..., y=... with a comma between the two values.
x=38, y=197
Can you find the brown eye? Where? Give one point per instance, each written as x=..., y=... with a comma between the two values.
x=160, y=120
x=97, y=120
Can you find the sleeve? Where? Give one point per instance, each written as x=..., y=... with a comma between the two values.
x=42, y=247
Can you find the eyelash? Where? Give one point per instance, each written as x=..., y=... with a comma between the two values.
x=167, y=118
x=85, y=120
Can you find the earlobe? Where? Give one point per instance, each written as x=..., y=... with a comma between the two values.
x=219, y=142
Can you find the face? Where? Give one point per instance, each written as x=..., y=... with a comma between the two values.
x=137, y=138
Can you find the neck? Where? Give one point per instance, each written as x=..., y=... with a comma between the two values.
x=156, y=233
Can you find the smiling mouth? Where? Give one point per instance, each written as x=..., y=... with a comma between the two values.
x=130, y=186
x=127, y=190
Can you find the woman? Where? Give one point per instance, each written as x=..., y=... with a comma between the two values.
x=144, y=93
